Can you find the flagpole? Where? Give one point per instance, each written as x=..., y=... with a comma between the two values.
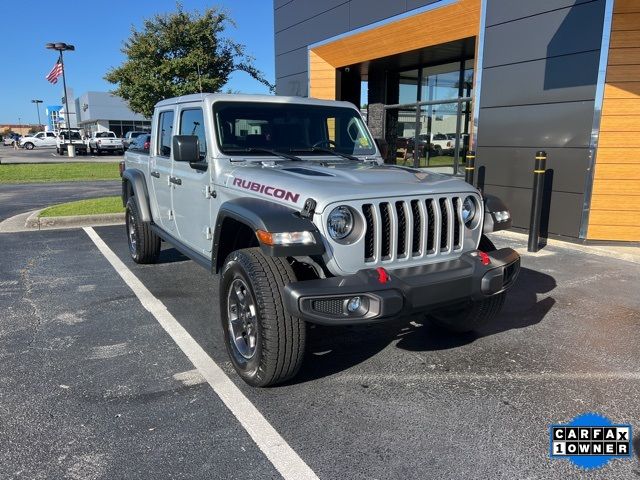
x=66, y=101
x=60, y=47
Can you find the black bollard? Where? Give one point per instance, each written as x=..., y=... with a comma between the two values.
x=470, y=167
x=536, y=201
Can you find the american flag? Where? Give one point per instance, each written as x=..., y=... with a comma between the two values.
x=55, y=72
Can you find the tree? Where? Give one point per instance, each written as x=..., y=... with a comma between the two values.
x=178, y=54
x=34, y=129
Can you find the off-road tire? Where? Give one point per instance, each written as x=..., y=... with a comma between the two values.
x=147, y=244
x=280, y=338
x=470, y=315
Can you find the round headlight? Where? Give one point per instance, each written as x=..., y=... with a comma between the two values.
x=468, y=210
x=340, y=223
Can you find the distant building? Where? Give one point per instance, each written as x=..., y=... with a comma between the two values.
x=22, y=129
x=53, y=117
x=99, y=111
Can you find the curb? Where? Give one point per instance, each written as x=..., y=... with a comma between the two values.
x=629, y=254
x=33, y=222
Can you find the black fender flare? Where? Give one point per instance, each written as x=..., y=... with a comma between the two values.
x=135, y=178
x=494, y=204
x=271, y=217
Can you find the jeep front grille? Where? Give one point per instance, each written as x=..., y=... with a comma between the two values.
x=421, y=227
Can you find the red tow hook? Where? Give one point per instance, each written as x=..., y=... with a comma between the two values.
x=484, y=258
x=383, y=276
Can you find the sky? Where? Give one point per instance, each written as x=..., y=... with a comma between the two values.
x=98, y=34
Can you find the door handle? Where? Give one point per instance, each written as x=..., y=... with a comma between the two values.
x=175, y=181
x=155, y=174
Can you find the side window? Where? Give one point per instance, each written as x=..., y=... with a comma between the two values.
x=192, y=123
x=40, y=135
x=165, y=133
x=51, y=134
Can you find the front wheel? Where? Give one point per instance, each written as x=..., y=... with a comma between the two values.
x=29, y=146
x=266, y=344
x=144, y=245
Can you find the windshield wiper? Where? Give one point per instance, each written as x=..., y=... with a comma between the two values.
x=264, y=150
x=327, y=150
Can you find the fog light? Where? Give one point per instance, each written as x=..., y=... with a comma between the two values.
x=354, y=304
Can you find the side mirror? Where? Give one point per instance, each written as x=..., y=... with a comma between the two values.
x=186, y=148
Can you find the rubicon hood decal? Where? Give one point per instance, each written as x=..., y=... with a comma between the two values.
x=266, y=190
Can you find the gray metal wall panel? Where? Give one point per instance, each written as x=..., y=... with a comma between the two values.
x=325, y=25
x=509, y=166
x=500, y=11
x=280, y=3
x=559, y=79
x=538, y=126
x=413, y=4
x=292, y=63
x=299, y=11
x=562, y=218
x=560, y=32
x=364, y=12
x=293, y=85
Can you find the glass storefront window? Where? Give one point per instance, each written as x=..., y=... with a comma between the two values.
x=440, y=82
x=434, y=136
x=409, y=86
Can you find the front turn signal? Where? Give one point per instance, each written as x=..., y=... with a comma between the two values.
x=285, y=238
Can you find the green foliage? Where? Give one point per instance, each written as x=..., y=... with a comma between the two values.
x=178, y=54
x=91, y=206
x=57, y=172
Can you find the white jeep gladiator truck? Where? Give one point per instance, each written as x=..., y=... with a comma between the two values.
x=288, y=200
x=106, y=141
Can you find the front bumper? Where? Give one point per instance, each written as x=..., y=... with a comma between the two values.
x=407, y=290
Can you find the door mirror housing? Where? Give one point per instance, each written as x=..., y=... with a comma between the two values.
x=186, y=148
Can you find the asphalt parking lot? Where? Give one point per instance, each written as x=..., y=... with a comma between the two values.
x=93, y=387
x=48, y=155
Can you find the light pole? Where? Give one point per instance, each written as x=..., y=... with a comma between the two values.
x=38, y=102
x=61, y=47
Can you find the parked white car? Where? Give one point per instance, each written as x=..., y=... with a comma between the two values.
x=105, y=141
x=40, y=139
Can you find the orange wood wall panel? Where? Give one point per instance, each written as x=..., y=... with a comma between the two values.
x=441, y=25
x=322, y=78
x=616, y=184
x=618, y=155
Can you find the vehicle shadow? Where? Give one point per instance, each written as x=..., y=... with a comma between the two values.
x=171, y=255
x=333, y=349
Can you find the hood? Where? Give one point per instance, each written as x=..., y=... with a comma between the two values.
x=328, y=182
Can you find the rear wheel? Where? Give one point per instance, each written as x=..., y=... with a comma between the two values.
x=266, y=344
x=144, y=245
x=470, y=315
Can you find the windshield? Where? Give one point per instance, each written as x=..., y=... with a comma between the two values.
x=290, y=128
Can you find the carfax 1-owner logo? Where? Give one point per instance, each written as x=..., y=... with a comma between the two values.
x=590, y=441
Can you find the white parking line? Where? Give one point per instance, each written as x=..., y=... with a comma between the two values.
x=277, y=451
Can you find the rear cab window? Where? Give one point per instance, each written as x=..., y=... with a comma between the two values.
x=165, y=133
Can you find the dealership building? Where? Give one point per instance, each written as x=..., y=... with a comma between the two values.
x=101, y=111
x=504, y=78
